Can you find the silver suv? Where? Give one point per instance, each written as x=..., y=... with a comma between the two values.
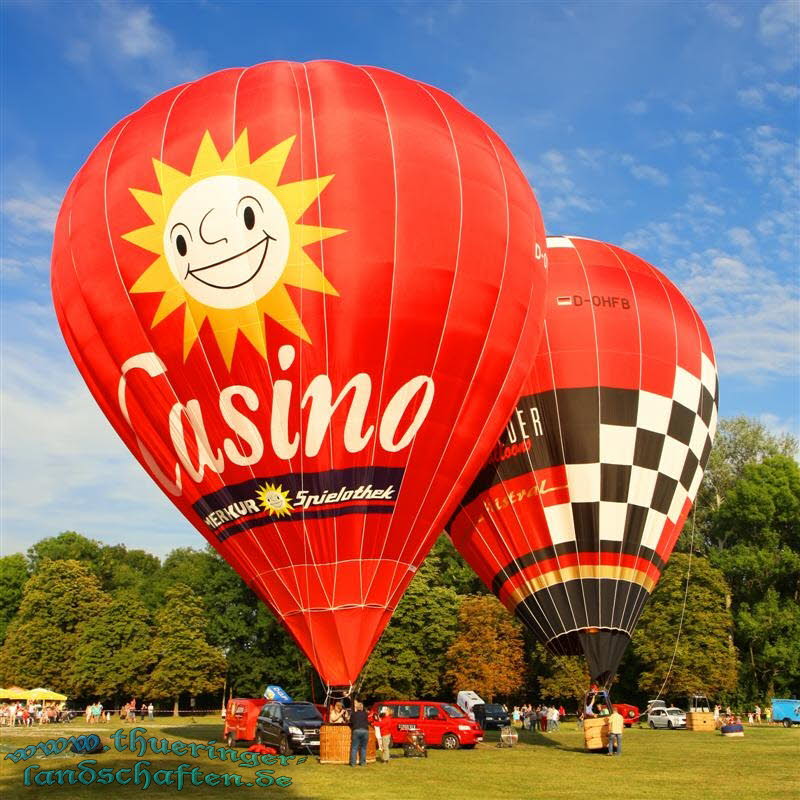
x=666, y=718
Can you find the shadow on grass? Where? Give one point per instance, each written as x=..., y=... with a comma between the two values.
x=204, y=732
x=550, y=741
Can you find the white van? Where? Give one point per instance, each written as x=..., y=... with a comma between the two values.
x=466, y=700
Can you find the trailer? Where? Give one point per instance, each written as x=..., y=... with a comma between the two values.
x=786, y=712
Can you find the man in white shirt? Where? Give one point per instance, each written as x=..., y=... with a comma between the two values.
x=615, y=727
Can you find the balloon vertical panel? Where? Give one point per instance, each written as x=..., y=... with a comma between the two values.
x=577, y=511
x=306, y=297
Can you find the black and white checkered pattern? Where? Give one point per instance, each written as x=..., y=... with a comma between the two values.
x=653, y=450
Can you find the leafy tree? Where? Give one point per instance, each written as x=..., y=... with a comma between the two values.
x=185, y=661
x=739, y=441
x=267, y=655
x=564, y=677
x=769, y=633
x=763, y=507
x=705, y=661
x=13, y=575
x=448, y=568
x=131, y=573
x=58, y=600
x=487, y=653
x=117, y=568
x=410, y=658
x=113, y=657
x=68, y=545
x=258, y=649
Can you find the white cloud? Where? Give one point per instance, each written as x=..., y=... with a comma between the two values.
x=63, y=466
x=752, y=315
x=779, y=21
x=31, y=210
x=779, y=28
x=725, y=14
x=741, y=237
x=637, y=108
x=786, y=92
x=779, y=426
x=752, y=98
x=644, y=172
x=126, y=39
x=556, y=189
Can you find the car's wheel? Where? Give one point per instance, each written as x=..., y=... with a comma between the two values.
x=787, y=723
x=652, y=725
x=230, y=739
x=450, y=741
x=670, y=725
x=284, y=747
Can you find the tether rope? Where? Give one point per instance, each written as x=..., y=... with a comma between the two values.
x=683, y=610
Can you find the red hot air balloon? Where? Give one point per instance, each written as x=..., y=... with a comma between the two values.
x=578, y=508
x=306, y=297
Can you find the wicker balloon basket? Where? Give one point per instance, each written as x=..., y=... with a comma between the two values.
x=701, y=721
x=334, y=744
x=595, y=733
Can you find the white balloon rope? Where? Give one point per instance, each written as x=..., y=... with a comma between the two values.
x=683, y=610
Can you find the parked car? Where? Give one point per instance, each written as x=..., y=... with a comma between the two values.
x=241, y=715
x=630, y=714
x=289, y=727
x=672, y=717
x=490, y=715
x=786, y=711
x=443, y=724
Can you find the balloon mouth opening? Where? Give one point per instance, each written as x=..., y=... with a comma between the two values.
x=334, y=693
x=602, y=647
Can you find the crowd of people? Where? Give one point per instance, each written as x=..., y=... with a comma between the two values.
x=754, y=716
x=543, y=718
x=27, y=714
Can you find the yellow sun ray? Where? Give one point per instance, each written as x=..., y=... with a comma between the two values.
x=227, y=319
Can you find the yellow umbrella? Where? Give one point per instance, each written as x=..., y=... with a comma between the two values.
x=45, y=694
x=14, y=693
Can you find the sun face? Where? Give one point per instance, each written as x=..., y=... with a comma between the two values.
x=274, y=500
x=228, y=243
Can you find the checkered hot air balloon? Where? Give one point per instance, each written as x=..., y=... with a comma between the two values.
x=576, y=513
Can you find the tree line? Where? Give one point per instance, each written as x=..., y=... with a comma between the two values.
x=104, y=622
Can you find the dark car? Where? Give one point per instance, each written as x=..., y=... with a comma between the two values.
x=490, y=715
x=289, y=727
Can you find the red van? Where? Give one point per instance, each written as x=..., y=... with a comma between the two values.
x=443, y=724
x=241, y=716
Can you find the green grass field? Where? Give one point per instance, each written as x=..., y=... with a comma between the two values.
x=654, y=765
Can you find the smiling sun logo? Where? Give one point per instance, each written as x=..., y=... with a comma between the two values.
x=274, y=500
x=229, y=242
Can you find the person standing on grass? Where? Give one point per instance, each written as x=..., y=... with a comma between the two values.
x=615, y=727
x=385, y=738
x=359, y=726
x=768, y=714
x=758, y=714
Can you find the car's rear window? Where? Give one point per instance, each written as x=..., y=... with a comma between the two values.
x=494, y=708
x=452, y=711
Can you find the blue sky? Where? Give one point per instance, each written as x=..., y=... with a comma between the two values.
x=668, y=128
